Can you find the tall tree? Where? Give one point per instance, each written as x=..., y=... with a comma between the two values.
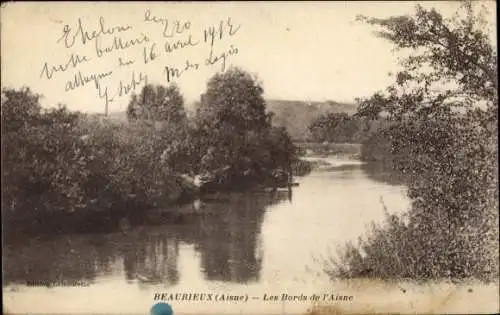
x=233, y=123
x=158, y=103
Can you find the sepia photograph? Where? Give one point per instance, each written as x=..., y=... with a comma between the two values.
x=190, y=158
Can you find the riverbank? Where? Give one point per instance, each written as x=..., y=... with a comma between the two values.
x=58, y=163
x=179, y=205
x=348, y=150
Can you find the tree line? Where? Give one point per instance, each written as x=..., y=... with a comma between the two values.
x=58, y=161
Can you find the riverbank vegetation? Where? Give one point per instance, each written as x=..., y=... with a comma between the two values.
x=56, y=161
x=337, y=128
x=297, y=116
x=343, y=133
x=438, y=128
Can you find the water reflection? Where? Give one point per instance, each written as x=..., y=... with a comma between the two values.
x=225, y=233
x=227, y=242
x=151, y=258
x=383, y=171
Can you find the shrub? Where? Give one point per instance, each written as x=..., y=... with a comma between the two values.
x=444, y=142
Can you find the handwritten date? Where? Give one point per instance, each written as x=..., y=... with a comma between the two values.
x=213, y=33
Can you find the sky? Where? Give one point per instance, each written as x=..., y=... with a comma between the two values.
x=313, y=51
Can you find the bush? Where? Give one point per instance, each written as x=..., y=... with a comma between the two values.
x=55, y=160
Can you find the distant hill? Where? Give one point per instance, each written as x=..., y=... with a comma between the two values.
x=297, y=115
x=294, y=115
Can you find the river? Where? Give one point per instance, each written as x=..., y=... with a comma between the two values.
x=248, y=244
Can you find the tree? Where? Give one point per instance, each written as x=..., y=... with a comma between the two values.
x=442, y=116
x=335, y=127
x=160, y=110
x=40, y=154
x=18, y=107
x=456, y=51
x=233, y=126
x=158, y=103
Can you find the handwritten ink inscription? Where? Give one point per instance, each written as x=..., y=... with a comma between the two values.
x=128, y=47
x=74, y=60
x=170, y=27
x=70, y=35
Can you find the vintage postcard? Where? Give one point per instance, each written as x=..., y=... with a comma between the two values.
x=249, y=158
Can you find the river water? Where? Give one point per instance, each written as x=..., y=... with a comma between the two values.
x=248, y=244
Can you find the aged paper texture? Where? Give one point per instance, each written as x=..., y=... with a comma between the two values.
x=249, y=158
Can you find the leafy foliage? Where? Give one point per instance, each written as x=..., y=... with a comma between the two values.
x=297, y=116
x=158, y=103
x=38, y=157
x=337, y=127
x=234, y=130
x=441, y=133
x=58, y=161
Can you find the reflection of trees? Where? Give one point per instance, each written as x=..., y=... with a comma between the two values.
x=152, y=258
x=226, y=236
x=149, y=257
x=64, y=259
x=228, y=241
x=383, y=171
